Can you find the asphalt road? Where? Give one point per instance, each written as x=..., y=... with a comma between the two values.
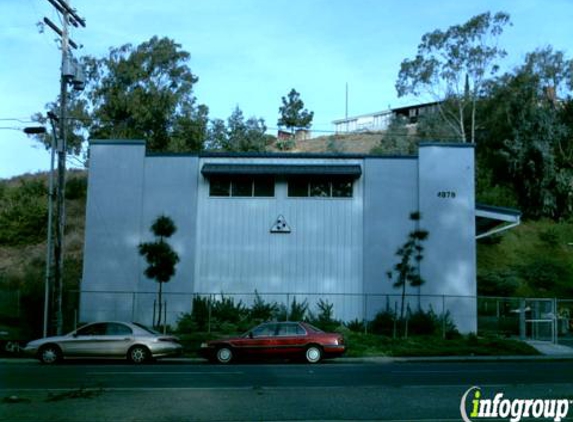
x=82, y=391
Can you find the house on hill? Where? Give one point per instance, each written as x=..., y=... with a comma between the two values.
x=379, y=121
x=288, y=226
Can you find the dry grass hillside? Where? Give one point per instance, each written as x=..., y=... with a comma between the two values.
x=360, y=143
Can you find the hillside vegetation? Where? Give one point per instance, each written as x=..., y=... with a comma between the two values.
x=533, y=260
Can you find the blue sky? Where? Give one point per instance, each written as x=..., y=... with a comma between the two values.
x=250, y=53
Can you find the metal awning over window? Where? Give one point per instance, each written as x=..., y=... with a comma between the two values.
x=211, y=169
x=491, y=220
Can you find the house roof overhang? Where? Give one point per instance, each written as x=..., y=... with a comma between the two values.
x=491, y=220
x=215, y=169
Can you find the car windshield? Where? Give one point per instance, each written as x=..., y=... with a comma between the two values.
x=146, y=328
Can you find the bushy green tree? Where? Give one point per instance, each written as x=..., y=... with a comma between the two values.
x=239, y=135
x=160, y=257
x=527, y=143
x=293, y=115
x=23, y=212
x=137, y=92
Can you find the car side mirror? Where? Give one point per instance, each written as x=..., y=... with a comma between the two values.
x=250, y=334
x=74, y=335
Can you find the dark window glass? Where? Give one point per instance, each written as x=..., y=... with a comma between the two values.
x=114, y=329
x=320, y=188
x=298, y=187
x=219, y=186
x=290, y=330
x=92, y=330
x=242, y=186
x=342, y=188
x=265, y=186
x=265, y=330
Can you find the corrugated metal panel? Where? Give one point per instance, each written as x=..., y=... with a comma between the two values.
x=237, y=253
x=210, y=169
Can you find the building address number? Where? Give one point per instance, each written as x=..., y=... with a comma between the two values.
x=446, y=194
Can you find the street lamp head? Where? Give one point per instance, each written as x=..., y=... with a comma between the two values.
x=34, y=130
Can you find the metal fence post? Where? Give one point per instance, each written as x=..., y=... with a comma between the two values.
x=133, y=295
x=444, y=316
x=522, y=327
x=164, y=317
x=209, y=315
x=365, y=314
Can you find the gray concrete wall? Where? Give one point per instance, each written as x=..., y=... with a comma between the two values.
x=170, y=188
x=113, y=229
x=447, y=204
x=390, y=195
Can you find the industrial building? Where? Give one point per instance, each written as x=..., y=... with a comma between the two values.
x=288, y=226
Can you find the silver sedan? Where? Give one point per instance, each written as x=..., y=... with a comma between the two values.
x=133, y=341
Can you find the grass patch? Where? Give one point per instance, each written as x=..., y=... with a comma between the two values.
x=364, y=345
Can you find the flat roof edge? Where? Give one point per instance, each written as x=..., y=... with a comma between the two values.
x=134, y=142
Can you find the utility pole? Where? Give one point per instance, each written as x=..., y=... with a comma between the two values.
x=71, y=73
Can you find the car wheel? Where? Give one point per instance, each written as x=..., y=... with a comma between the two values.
x=50, y=354
x=224, y=355
x=313, y=354
x=138, y=354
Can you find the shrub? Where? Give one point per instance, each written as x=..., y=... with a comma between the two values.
x=226, y=310
x=297, y=311
x=383, y=323
x=423, y=323
x=355, y=325
x=324, y=318
x=76, y=187
x=262, y=311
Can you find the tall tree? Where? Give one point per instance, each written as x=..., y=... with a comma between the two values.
x=244, y=135
x=143, y=92
x=160, y=257
x=293, y=115
x=452, y=66
x=528, y=144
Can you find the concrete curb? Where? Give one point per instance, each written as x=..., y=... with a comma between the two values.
x=373, y=359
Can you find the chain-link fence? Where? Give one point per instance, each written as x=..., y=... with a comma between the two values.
x=526, y=318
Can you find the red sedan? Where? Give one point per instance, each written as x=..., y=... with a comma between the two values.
x=277, y=340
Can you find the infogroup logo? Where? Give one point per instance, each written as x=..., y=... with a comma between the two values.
x=481, y=408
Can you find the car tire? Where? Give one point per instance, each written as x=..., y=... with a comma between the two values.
x=313, y=354
x=50, y=354
x=138, y=354
x=224, y=354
